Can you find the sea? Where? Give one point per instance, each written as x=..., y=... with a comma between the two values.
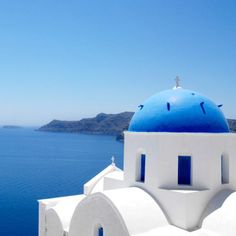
x=37, y=165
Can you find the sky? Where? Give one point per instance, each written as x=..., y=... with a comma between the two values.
x=73, y=59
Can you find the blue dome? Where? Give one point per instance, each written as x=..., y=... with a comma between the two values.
x=179, y=110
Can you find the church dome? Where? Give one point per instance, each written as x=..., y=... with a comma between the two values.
x=179, y=110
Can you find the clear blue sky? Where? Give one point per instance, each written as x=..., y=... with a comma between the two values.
x=71, y=59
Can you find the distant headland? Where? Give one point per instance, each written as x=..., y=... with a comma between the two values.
x=108, y=124
x=11, y=127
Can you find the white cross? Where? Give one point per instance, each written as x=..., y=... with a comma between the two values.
x=113, y=161
x=177, y=80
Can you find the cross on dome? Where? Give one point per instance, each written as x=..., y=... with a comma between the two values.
x=113, y=161
x=177, y=83
x=177, y=80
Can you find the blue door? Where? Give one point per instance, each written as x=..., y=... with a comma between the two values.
x=184, y=170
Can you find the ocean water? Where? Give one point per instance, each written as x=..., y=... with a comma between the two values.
x=37, y=165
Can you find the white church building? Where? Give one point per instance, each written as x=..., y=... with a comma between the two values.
x=179, y=177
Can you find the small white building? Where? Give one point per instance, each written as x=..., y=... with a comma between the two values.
x=179, y=177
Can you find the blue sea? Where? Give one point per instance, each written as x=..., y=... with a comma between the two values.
x=36, y=165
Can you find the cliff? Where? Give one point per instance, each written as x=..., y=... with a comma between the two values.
x=109, y=124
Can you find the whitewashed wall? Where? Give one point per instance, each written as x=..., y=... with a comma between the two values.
x=124, y=210
x=162, y=151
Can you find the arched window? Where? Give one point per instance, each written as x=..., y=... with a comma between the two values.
x=224, y=169
x=100, y=231
x=140, y=168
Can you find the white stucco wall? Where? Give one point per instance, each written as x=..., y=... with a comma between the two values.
x=222, y=221
x=96, y=183
x=120, y=212
x=55, y=214
x=182, y=204
x=97, y=211
x=114, y=202
x=162, y=151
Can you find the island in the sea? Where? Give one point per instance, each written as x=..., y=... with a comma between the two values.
x=108, y=124
x=11, y=127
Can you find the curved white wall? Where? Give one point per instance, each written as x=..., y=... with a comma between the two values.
x=222, y=221
x=121, y=212
x=58, y=217
x=53, y=224
x=93, y=211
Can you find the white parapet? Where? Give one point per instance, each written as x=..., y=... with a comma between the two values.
x=96, y=184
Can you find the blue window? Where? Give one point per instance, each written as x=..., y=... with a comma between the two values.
x=224, y=169
x=100, y=231
x=142, y=167
x=184, y=170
